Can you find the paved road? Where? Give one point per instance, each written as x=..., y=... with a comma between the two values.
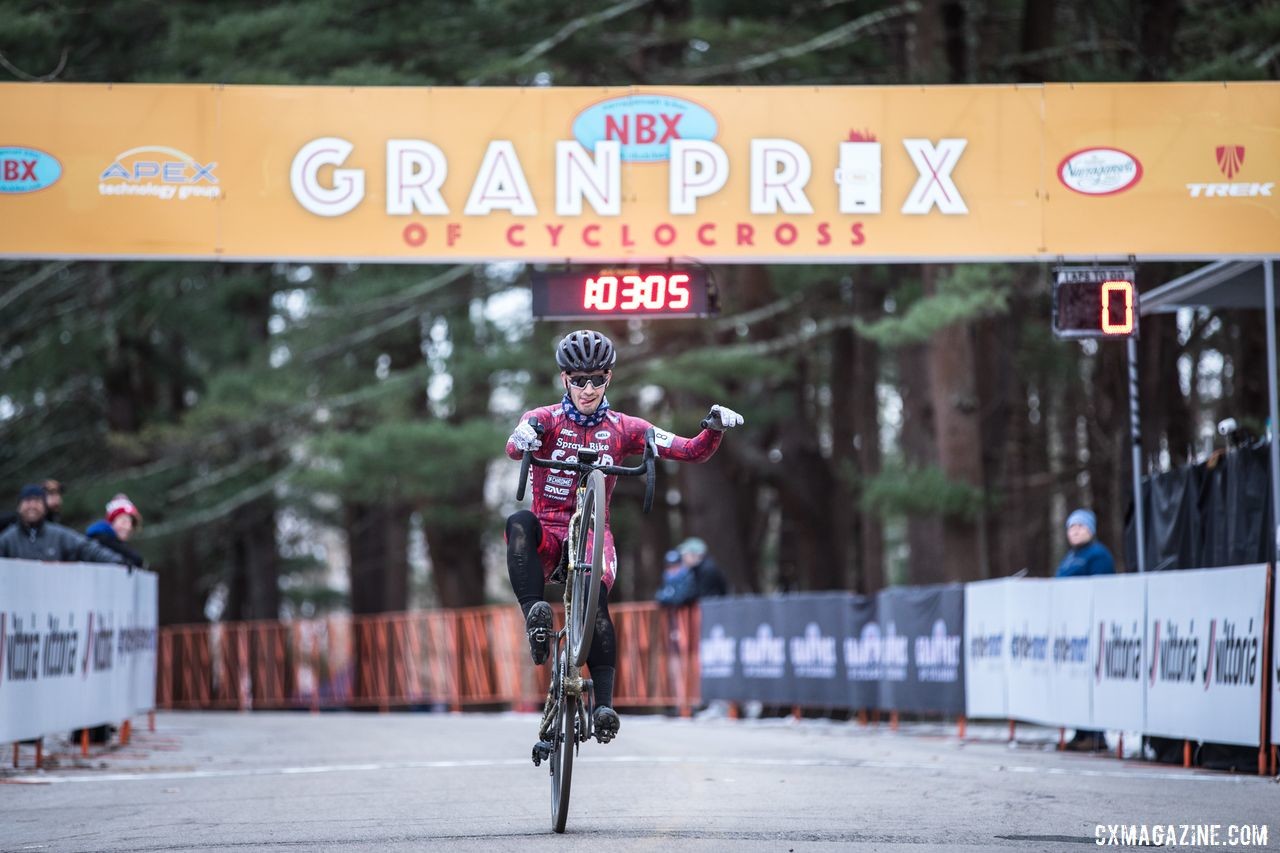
x=285, y=782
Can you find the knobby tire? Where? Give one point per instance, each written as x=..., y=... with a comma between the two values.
x=586, y=584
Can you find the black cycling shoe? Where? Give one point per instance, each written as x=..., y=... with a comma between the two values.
x=537, y=626
x=605, y=723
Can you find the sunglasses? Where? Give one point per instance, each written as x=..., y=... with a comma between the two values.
x=597, y=380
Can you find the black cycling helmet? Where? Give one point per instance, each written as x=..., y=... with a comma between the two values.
x=585, y=350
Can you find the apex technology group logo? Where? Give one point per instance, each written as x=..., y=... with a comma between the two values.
x=159, y=172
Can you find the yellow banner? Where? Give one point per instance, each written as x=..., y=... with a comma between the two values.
x=757, y=175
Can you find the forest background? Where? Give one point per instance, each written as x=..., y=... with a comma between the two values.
x=310, y=438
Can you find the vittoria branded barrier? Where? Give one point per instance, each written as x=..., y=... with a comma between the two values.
x=456, y=659
x=1176, y=654
x=77, y=646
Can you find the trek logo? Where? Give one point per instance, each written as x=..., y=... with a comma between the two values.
x=159, y=172
x=26, y=170
x=644, y=125
x=1230, y=159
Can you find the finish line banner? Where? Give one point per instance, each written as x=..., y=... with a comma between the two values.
x=77, y=646
x=718, y=174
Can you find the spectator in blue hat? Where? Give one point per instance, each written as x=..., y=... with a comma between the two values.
x=679, y=586
x=34, y=537
x=1087, y=556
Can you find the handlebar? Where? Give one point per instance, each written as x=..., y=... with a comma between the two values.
x=646, y=467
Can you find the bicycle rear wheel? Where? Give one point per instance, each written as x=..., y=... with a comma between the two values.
x=585, y=593
x=562, y=761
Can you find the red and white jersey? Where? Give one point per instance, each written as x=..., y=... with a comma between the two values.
x=616, y=438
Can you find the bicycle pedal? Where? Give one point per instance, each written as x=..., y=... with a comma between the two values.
x=541, y=752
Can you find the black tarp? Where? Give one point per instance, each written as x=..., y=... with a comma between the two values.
x=1216, y=513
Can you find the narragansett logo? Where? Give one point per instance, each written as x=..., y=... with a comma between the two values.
x=1099, y=171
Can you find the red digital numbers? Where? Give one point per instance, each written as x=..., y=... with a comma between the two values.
x=1123, y=292
x=634, y=292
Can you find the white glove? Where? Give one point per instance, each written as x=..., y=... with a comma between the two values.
x=722, y=418
x=525, y=438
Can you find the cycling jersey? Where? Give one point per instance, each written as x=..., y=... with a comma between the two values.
x=617, y=437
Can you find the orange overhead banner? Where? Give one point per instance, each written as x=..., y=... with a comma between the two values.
x=715, y=174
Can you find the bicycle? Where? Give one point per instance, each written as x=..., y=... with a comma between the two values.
x=566, y=716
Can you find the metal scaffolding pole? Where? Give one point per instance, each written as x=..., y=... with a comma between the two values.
x=1135, y=440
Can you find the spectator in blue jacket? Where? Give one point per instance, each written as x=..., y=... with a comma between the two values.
x=1087, y=556
x=122, y=521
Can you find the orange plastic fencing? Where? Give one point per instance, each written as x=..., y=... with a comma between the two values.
x=455, y=659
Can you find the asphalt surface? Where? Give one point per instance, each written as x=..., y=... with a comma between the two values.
x=284, y=782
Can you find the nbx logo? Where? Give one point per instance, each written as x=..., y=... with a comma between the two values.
x=19, y=170
x=644, y=128
x=1230, y=159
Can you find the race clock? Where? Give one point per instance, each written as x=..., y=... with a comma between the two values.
x=623, y=292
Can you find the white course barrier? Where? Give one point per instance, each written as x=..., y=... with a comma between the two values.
x=1029, y=615
x=1275, y=662
x=1072, y=653
x=1176, y=654
x=77, y=646
x=986, y=649
x=1119, y=635
x=1204, y=656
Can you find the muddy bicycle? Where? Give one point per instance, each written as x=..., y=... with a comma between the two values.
x=566, y=716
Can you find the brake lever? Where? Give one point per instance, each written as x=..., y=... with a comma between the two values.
x=525, y=461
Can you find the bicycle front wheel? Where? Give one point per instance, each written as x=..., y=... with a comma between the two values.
x=562, y=762
x=580, y=618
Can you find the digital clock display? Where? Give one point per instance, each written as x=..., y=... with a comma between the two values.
x=1095, y=303
x=629, y=292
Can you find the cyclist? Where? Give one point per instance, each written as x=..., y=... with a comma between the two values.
x=535, y=540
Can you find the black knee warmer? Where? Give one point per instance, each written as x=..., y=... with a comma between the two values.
x=524, y=568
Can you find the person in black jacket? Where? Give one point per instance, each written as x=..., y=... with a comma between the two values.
x=36, y=538
x=711, y=583
x=53, y=500
x=122, y=521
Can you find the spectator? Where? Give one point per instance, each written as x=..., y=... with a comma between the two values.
x=1086, y=557
x=710, y=580
x=53, y=500
x=679, y=586
x=122, y=521
x=36, y=538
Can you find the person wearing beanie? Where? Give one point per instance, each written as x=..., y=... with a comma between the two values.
x=34, y=537
x=711, y=583
x=122, y=521
x=1086, y=556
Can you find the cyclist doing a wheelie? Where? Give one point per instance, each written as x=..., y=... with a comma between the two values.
x=535, y=540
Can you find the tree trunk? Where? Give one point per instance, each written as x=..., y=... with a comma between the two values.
x=378, y=542
x=954, y=402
